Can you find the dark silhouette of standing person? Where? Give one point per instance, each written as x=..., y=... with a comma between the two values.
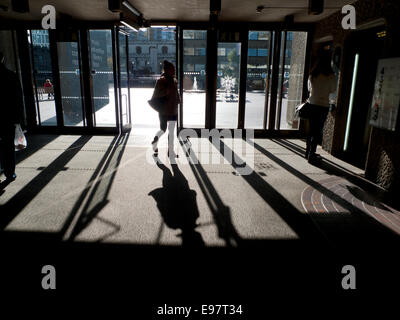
x=166, y=86
x=11, y=113
x=321, y=83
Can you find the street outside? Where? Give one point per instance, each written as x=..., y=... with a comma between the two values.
x=143, y=116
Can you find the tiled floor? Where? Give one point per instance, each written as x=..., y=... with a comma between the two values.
x=110, y=189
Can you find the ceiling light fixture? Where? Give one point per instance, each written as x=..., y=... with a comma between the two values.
x=129, y=26
x=260, y=9
x=114, y=5
x=131, y=8
x=315, y=7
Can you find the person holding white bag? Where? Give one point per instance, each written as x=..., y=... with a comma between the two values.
x=11, y=115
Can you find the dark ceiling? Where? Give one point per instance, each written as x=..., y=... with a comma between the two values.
x=180, y=10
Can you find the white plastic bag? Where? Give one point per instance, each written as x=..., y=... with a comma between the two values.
x=19, y=140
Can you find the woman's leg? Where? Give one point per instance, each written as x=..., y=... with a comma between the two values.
x=163, y=128
x=322, y=118
x=316, y=126
x=171, y=133
x=8, y=153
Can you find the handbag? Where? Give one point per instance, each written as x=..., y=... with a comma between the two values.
x=19, y=138
x=303, y=111
x=157, y=103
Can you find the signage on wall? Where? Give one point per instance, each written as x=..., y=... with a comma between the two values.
x=386, y=99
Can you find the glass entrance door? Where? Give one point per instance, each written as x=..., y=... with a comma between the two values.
x=258, y=88
x=102, y=78
x=69, y=64
x=228, y=84
x=194, y=78
x=43, y=77
x=123, y=80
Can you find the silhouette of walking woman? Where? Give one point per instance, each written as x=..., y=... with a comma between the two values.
x=320, y=84
x=166, y=87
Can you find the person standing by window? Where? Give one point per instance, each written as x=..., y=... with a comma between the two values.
x=48, y=87
x=166, y=87
x=321, y=83
x=11, y=114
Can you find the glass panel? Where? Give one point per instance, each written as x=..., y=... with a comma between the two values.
x=273, y=35
x=295, y=54
x=194, y=78
x=43, y=78
x=282, y=64
x=228, y=79
x=123, y=67
x=257, y=76
x=70, y=83
x=103, y=80
x=145, y=65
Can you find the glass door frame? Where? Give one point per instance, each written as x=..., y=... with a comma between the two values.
x=242, y=74
x=179, y=68
x=120, y=123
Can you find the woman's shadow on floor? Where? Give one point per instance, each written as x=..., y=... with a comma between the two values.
x=178, y=205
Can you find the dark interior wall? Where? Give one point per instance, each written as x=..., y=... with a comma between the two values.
x=383, y=161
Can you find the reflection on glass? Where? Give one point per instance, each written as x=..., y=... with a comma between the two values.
x=257, y=77
x=194, y=78
x=228, y=85
x=293, y=59
x=70, y=83
x=102, y=75
x=43, y=78
x=147, y=50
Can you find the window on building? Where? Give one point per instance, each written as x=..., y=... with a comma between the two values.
x=200, y=51
x=164, y=50
x=168, y=34
x=199, y=67
x=263, y=35
x=262, y=52
x=199, y=35
x=253, y=35
x=138, y=50
x=222, y=51
x=188, y=51
x=252, y=52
